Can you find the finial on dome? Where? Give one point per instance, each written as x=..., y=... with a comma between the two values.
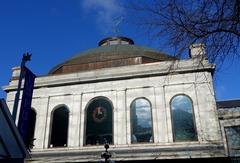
x=115, y=41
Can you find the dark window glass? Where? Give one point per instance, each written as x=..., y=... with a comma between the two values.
x=99, y=122
x=31, y=129
x=59, y=132
x=233, y=140
x=141, y=121
x=182, y=119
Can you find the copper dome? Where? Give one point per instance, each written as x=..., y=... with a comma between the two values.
x=112, y=52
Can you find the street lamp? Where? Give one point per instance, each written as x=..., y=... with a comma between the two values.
x=106, y=155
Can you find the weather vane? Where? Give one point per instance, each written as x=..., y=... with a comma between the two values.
x=117, y=21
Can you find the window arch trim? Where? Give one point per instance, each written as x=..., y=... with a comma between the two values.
x=131, y=123
x=51, y=122
x=141, y=98
x=59, y=106
x=86, y=111
x=193, y=117
x=96, y=98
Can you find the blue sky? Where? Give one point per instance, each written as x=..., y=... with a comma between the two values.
x=54, y=30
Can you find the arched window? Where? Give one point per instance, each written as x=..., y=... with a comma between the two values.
x=31, y=128
x=99, y=129
x=141, y=121
x=59, y=129
x=183, y=119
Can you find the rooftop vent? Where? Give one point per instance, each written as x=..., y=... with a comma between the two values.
x=115, y=41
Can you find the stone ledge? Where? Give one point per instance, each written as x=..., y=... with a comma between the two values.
x=230, y=113
x=118, y=73
x=148, y=153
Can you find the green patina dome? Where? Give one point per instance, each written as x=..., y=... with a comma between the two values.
x=110, y=55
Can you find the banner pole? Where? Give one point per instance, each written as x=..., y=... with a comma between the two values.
x=26, y=57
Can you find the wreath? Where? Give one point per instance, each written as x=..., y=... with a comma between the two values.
x=99, y=114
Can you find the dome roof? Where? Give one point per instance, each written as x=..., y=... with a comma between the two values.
x=111, y=55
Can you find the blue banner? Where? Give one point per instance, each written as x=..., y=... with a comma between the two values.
x=24, y=115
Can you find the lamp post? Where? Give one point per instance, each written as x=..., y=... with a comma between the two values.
x=106, y=155
x=26, y=57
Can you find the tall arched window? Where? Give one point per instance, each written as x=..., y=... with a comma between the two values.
x=141, y=121
x=183, y=119
x=31, y=128
x=59, y=129
x=99, y=129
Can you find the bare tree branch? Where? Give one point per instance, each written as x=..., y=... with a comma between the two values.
x=183, y=22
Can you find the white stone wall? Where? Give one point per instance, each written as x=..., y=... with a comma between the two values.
x=158, y=89
x=229, y=117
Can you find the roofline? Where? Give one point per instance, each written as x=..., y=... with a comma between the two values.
x=81, y=54
x=228, y=104
x=118, y=73
x=11, y=124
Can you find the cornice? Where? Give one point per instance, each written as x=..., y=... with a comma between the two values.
x=119, y=73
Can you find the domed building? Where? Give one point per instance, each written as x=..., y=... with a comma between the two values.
x=145, y=104
x=112, y=52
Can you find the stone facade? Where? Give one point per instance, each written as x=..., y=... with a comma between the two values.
x=158, y=82
x=229, y=116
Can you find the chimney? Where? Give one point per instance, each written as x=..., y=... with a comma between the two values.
x=15, y=73
x=197, y=51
